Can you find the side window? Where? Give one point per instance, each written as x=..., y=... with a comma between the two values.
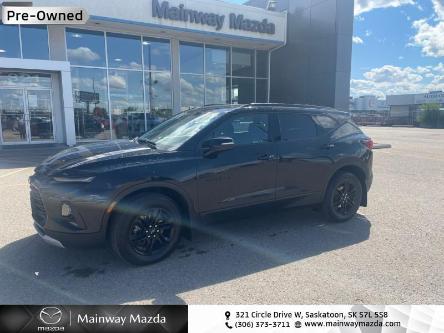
x=325, y=123
x=244, y=129
x=296, y=126
x=345, y=130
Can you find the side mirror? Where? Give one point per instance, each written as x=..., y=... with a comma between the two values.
x=215, y=146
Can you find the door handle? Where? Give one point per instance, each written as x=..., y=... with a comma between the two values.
x=329, y=146
x=266, y=157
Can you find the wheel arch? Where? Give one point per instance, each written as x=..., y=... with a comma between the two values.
x=175, y=194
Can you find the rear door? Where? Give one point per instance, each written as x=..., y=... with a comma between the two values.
x=304, y=164
x=244, y=175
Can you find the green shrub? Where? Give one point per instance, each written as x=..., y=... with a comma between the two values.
x=432, y=116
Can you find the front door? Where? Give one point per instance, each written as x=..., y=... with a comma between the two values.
x=26, y=115
x=244, y=175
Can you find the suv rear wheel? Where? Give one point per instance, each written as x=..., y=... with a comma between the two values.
x=146, y=229
x=343, y=197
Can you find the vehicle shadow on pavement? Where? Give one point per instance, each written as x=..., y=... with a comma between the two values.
x=33, y=272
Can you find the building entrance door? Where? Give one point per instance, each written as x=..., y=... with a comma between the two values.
x=26, y=115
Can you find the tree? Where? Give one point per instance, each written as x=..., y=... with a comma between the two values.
x=432, y=116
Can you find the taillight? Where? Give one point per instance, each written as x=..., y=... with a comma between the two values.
x=368, y=143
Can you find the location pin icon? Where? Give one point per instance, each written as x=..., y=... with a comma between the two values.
x=227, y=315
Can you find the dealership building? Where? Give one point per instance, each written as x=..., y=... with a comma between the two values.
x=135, y=63
x=405, y=109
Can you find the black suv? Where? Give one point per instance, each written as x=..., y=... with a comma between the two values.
x=141, y=195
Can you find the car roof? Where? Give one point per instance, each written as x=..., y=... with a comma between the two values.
x=278, y=107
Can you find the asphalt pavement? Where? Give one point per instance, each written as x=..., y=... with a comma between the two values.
x=391, y=253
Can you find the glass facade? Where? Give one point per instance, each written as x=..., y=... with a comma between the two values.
x=122, y=84
x=27, y=41
x=221, y=75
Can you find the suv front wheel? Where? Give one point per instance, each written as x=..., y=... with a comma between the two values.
x=343, y=197
x=146, y=229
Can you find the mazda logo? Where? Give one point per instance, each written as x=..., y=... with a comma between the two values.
x=50, y=315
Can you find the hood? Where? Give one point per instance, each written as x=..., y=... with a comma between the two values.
x=83, y=156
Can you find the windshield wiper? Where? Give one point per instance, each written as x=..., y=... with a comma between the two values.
x=149, y=143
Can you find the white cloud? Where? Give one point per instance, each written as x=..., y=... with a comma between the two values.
x=438, y=5
x=429, y=37
x=117, y=82
x=362, y=6
x=389, y=80
x=83, y=54
x=430, y=32
x=357, y=40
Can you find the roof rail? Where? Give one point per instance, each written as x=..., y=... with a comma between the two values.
x=291, y=105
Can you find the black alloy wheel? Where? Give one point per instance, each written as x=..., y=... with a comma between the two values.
x=343, y=197
x=151, y=233
x=146, y=229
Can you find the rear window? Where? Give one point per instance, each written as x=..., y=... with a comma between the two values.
x=325, y=123
x=346, y=130
x=296, y=127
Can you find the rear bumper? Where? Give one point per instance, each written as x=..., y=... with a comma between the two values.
x=70, y=240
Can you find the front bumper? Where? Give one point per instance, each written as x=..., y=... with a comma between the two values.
x=47, y=239
x=83, y=228
x=70, y=240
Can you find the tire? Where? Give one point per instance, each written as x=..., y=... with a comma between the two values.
x=343, y=197
x=146, y=229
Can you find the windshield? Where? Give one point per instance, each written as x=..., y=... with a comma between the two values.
x=174, y=132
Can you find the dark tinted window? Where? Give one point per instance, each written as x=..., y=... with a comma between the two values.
x=296, y=127
x=243, y=62
x=262, y=64
x=244, y=129
x=325, y=123
x=242, y=91
x=345, y=130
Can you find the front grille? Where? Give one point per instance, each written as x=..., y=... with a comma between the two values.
x=37, y=207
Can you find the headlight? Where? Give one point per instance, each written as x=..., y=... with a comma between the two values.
x=74, y=180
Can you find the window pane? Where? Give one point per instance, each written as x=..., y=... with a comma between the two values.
x=191, y=91
x=325, y=123
x=262, y=91
x=345, y=130
x=9, y=41
x=158, y=95
x=85, y=48
x=25, y=80
x=243, y=62
x=217, y=60
x=126, y=95
x=243, y=91
x=245, y=129
x=191, y=58
x=218, y=90
x=90, y=103
x=124, y=51
x=157, y=54
x=262, y=64
x=35, y=42
x=296, y=126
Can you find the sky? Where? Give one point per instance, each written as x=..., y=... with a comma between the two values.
x=398, y=47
